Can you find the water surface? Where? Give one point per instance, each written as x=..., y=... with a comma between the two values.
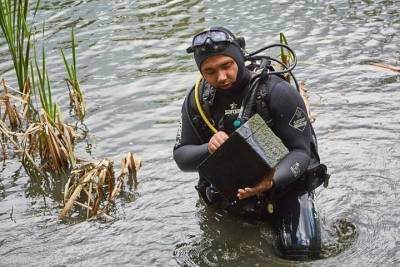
x=135, y=72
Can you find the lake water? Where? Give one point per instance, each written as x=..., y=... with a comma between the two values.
x=134, y=71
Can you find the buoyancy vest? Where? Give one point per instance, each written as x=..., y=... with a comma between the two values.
x=261, y=106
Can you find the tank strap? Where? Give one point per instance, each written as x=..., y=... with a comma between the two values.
x=263, y=96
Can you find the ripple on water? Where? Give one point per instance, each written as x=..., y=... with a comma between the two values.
x=134, y=70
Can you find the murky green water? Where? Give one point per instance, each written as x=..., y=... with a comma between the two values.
x=135, y=72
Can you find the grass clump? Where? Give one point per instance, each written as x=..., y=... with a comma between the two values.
x=13, y=23
x=37, y=134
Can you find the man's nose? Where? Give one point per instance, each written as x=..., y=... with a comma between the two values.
x=221, y=76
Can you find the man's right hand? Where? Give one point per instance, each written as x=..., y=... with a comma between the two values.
x=216, y=141
x=265, y=184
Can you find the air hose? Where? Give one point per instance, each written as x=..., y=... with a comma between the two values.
x=198, y=105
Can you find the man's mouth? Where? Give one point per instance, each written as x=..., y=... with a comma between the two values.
x=225, y=86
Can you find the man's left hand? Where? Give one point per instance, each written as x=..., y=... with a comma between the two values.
x=265, y=184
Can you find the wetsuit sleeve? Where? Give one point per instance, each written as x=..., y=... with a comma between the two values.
x=189, y=150
x=292, y=125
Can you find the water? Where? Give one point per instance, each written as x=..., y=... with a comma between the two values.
x=134, y=70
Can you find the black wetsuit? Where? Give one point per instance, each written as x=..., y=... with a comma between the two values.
x=290, y=123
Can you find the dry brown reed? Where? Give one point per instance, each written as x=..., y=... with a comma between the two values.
x=93, y=187
x=306, y=98
x=77, y=99
x=387, y=67
x=47, y=147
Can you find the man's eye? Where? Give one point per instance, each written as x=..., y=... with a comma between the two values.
x=209, y=72
x=227, y=65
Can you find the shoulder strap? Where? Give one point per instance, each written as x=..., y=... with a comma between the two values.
x=205, y=97
x=263, y=96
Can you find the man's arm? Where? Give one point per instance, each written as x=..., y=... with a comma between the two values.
x=292, y=126
x=189, y=149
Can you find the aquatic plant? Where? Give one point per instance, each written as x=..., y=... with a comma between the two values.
x=41, y=85
x=286, y=57
x=36, y=133
x=387, y=67
x=77, y=99
x=11, y=113
x=93, y=186
x=53, y=142
x=13, y=23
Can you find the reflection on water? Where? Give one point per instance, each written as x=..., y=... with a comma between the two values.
x=135, y=72
x=227, y=239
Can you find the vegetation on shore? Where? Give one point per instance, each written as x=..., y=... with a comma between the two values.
x=35, y=132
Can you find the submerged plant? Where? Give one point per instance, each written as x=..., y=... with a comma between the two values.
x=77, y=99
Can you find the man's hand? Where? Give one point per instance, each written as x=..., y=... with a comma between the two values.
x=265, y=184
x=216, y=141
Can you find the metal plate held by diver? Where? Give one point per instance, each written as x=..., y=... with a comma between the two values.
x=244, y=158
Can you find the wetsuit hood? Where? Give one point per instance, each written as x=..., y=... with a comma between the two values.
x=233, y=50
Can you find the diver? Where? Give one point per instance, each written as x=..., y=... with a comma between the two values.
x=288, y=189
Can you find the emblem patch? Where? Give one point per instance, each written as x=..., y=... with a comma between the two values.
x=299, y=120
x=295, y=168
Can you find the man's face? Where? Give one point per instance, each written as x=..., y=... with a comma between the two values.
x=220, y=71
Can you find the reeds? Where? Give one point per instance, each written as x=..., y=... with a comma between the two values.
x=77, y=99
x=286, y=57
x=41, y=85
x=8, y=110
x=53, y=142
x=37, y=134
x=13, y=15
x=93, y=187
x=387, y=67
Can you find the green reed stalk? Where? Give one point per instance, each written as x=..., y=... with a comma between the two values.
x=286, y=57
x=77, y=97
x=13, y=23
x=41, y=84
x=71, y=69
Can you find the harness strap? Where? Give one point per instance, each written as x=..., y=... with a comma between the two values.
x=262, y=96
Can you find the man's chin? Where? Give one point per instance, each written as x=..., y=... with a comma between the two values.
x=225, y=87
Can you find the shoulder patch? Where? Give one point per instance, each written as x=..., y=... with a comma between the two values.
x=295, y=169
x=299, y=120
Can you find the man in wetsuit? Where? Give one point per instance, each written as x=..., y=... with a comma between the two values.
x=226, y=81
